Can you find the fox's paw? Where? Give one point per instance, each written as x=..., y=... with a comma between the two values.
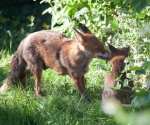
x=85, y=97
x=3, y=88
x=39, y=94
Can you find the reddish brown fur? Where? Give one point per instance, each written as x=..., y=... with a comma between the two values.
x=50, y=49
x=117, y=60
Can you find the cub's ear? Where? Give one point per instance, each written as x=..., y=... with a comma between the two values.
x=128, y=50
x=78, y=36
x=111, y=48
x=84, y=29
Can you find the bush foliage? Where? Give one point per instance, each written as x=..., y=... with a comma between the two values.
x=18, y=18
x=119, y=22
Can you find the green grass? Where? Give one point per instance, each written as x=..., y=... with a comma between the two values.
x=61, y=104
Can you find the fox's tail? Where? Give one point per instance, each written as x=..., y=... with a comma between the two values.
x=17, y=70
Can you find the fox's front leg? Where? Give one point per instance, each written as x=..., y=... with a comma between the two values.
x=80, y=86
x=37, y=76
x=83, y=82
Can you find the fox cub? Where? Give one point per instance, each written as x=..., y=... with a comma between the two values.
x=50, y=49
x=118, y=55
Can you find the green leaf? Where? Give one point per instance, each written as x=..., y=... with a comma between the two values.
x=138, y=72
x=141, y=15
x=136, y=68
x=135, y=3
x=116, y=1
x=148, y=66
x=108, y=19
x=142, y=5
x=117, y=87
x=126, y=2
x=114, y=25
x=141, y=93
x=138, y=5
x=71, y=10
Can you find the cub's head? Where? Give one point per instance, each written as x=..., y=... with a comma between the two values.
x=116, y=52
x=90, y=44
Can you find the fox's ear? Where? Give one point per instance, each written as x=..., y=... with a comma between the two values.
x=84, y=29
x=112, y=48
x=78, y=36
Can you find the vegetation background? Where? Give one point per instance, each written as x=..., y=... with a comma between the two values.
x=119, y=22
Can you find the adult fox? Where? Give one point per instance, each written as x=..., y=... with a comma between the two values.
x=51, y=49
x=117, y=57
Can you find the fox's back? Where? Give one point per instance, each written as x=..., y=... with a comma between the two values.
x=44, y=38
x=45, y=45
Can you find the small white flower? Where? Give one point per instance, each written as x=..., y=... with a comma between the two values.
x=117, y=41
x=145, y=39
x=109, y=38
x=8, y=31
x=109, y=26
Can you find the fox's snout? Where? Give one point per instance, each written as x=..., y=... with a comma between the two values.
x=105, y=55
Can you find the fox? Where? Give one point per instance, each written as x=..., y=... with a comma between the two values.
x=50, y=49
x=117, y=57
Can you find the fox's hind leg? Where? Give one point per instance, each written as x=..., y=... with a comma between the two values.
x=35, y=65
x=37, y=71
